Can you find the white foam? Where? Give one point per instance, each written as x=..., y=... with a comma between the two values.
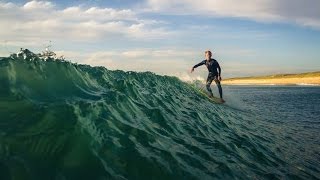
x=307, y=84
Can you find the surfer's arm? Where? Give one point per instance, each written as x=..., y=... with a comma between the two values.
x=219, y=69
x=199, y=64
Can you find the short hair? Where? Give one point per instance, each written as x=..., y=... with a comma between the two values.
x=209, y=52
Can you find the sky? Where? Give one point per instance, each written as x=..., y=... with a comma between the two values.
x=168, y=37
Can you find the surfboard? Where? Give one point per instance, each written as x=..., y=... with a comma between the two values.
x=203, y=92
x=213, y=98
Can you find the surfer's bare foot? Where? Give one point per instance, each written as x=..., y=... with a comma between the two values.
x=222, y=100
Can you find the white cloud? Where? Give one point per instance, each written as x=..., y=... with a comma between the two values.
x=305, y=13
x=75, y=13
x=38, y=5
x=38, y=20
x=6, y=5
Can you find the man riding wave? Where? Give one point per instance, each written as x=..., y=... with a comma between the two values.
x=214, y=72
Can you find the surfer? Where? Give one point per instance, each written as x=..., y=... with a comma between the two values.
x=214, y=72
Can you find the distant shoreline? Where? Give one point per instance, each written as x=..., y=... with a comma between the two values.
x=306, y=79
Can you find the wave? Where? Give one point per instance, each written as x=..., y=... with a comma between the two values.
x=61, y=120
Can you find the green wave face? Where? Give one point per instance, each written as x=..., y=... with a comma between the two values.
x=65, y=121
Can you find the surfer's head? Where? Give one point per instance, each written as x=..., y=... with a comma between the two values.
x=208, y=54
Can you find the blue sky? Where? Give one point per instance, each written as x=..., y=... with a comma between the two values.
x=254, y=37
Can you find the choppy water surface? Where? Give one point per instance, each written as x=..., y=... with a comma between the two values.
x=64, y=121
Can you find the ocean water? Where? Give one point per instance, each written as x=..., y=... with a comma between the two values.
x=290, y=115
x=60, y=120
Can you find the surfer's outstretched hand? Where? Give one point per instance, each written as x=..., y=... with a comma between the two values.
x=192, y=70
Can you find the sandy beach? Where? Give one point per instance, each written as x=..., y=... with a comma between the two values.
x=294, y=79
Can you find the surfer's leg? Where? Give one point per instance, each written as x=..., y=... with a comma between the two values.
x=209, y=81
x=219, y=87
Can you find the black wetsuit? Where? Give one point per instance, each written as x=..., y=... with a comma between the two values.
x=214, y=71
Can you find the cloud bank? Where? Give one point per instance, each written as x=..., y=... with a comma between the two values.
x=301, y=12
x=36, y=20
